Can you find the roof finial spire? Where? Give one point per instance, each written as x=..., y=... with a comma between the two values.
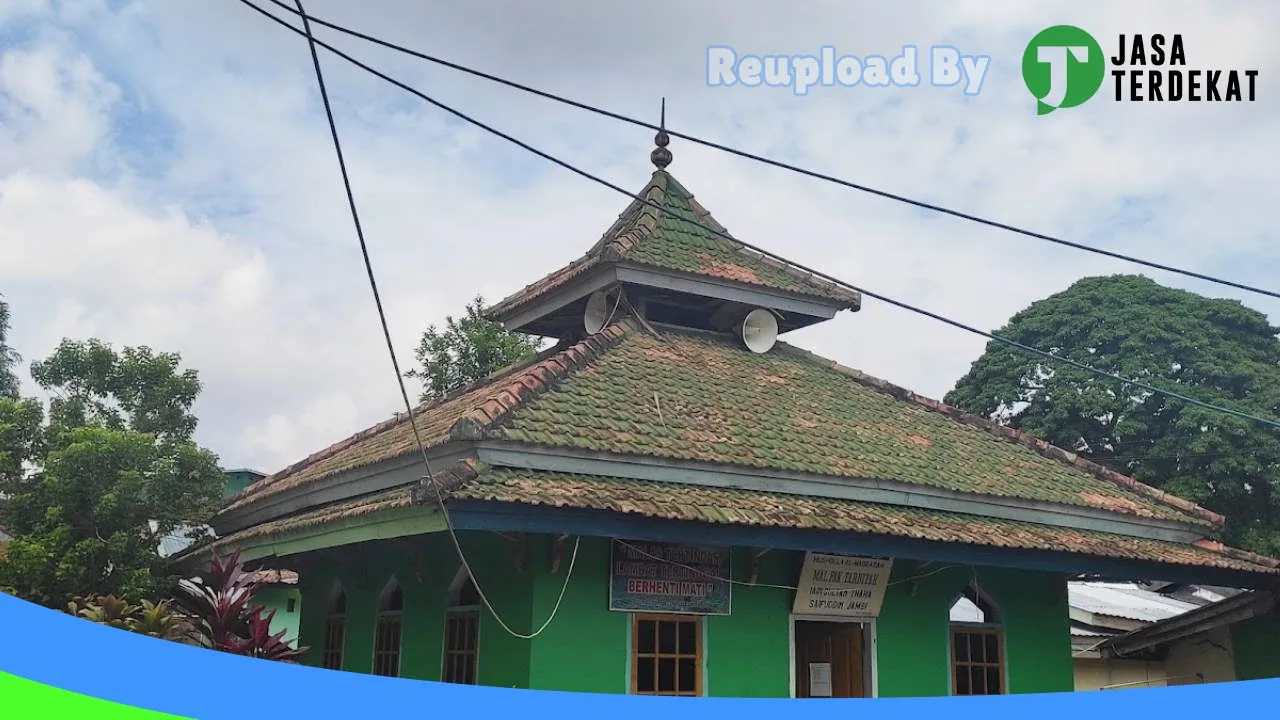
x=661, y=156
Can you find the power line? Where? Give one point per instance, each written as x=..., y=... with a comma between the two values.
x=720, y=233
x=386, y=333
x=786, y=166
x=741, y=583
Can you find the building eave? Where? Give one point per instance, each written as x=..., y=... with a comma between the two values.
x=1260, y=601
x=542, y=313
x=362, y=481
x=491, y=516
x=873, y=490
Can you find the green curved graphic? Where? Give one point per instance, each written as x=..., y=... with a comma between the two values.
x=21, y=699
x=1063, y=66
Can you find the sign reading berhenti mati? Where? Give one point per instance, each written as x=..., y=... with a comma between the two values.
x=842, y=586
x=662, y=578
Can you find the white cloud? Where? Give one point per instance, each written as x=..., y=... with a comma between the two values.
x=166, y=179
x=54, y=109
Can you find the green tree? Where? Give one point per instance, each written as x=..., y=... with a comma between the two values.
x=135, y=389
x=467, y=350
x=8, y=357
x=1214, y=350
x=89, y=492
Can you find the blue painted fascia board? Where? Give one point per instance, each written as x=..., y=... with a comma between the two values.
x=491, y=516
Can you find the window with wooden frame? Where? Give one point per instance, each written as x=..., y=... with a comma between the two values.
x=462, y=633
x=386, y=633
x=977, y=646
x=335, y=630
x=666, y=655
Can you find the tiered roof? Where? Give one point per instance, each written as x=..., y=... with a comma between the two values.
x=696, y=399
x=685, y=239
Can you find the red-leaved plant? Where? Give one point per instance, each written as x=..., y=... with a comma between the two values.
x=220, y=606
x=260, y=643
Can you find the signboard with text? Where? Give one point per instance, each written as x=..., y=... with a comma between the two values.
x=841, y=586
x=663, y=578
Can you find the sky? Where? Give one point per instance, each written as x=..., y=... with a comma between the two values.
x=167, y=178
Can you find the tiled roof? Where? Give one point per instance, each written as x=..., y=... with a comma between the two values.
x=437, y=421
x=676, y=241
x=401, y=497
x=744, y=507
x=689, y=396
x=701, y=397
x=724, y=506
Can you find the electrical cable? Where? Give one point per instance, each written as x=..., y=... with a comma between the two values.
x=731, y=581
x=669, y=212
x=386, y=332
x=785, y=166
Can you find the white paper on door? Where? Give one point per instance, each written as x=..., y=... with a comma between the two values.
x=819, y=679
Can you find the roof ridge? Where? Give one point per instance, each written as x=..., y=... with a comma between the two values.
x=702, y=216
x=1042, y=447
x=513, y=396
x=1238, y=554
x=610, y=247
x=549, y=357
x=618, y=243
x=641, y=220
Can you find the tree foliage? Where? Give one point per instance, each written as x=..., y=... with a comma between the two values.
x=135, y=389
x=88, y=492
x=1216, y=351
x=467, y=350
x=9, y=358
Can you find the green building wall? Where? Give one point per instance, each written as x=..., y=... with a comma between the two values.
x=288, y=616
x=747, y=653
x=1256, y=646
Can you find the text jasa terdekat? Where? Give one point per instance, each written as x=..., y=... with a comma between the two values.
x=1154, y=69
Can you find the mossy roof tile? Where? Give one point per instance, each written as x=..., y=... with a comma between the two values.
x=678, y=240
x=688, y=396
x=672, y=501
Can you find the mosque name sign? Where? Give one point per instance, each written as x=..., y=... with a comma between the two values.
x=839, y=586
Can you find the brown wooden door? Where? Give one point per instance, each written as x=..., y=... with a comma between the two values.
x=839, y=647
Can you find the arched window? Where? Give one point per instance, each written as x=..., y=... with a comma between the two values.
x=386, y=634
x=335, y=629
x=977, y=645
x=462, y=631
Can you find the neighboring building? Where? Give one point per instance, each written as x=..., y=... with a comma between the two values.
x=1233, y=639
x=239, y=479
x=235, y=481
x=278, y=591
x=1105, y=610
x=702, y=511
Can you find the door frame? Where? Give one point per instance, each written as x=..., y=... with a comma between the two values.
x=870, y=675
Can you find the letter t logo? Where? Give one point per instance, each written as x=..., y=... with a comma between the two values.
x=1063, y=66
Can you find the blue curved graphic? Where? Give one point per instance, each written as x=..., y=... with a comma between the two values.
x=64, y=652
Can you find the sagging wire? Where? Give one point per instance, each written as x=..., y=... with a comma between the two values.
x=417, y=436
x=741, y=583
x=815, y=273
x=786, y=166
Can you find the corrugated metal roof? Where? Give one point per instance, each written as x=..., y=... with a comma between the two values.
x=1125, y=600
